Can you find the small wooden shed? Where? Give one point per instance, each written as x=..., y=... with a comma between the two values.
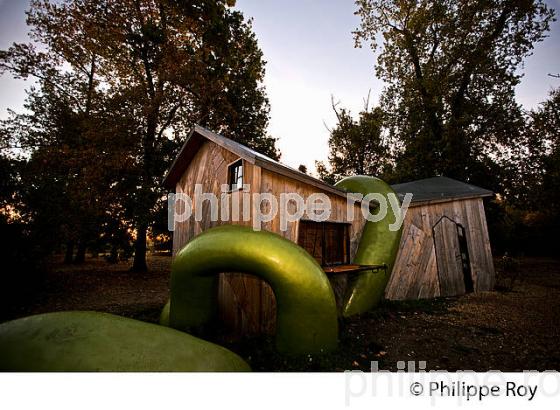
x=445, y=247
x=246, y=303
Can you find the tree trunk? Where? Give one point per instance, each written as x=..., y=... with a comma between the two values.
x=69, y=252
x=114, y=255
x=139, y=264
x=81, y=253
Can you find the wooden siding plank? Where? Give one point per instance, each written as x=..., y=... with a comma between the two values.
x=470, y=214
x=490, y=272
x=405, y=273
x=448, y=258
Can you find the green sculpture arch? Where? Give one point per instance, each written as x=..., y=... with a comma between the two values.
x=378, y=245
x=306, y=307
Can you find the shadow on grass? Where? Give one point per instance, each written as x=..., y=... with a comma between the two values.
x=356, y=350
x=357, y=346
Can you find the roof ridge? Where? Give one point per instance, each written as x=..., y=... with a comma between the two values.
x=185, y=156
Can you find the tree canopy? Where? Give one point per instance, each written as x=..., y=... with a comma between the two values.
x=448, y=107
x=356, y=146
x=450, y=70
x=118, y=86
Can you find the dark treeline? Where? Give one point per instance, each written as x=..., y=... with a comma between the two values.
x=116, y=87
x=449, y=108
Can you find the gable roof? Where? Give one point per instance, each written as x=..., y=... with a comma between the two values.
x=200, y=134
x=440, y=189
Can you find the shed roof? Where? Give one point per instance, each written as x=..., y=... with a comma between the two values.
x=199, y=134
x=440, y=189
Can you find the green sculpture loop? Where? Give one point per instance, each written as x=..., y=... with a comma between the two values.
x=306, y=308
x=91, y=341
x=379, y=245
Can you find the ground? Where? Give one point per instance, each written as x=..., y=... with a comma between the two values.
x=500, y=330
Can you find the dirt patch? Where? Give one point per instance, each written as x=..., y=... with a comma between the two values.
x=508, y=331
x=99, y=286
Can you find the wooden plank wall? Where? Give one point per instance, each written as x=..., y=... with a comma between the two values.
x=246, y=304
x=415, y=275
x=448, y=255
x=209, y=168
x=276, y=184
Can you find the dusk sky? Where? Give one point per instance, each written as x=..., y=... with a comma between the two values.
x=310, y=56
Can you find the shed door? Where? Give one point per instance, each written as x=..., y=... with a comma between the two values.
x=327, y=242
x=452, y=258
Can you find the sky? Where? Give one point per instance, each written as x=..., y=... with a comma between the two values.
x=310, y=54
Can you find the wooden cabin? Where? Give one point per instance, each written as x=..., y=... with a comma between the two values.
x=246, y=303
x=445, y=247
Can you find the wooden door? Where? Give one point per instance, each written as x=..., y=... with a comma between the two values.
x=327, y=242
x=449, y=258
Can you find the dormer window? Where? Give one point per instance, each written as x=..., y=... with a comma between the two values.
x=235, y=175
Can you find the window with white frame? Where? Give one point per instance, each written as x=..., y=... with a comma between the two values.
x=235, y=175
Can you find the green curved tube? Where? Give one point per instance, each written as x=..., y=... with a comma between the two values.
x=164, y=316
x=378, y=245
x=306, y=308
x=90, y=341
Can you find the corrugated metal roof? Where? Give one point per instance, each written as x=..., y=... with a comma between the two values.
x=439, y=189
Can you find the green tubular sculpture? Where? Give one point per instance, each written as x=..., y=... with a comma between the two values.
x=90, y=341
x=378, y=245
x=306, y=308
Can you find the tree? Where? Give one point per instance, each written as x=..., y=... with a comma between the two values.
x=539, y=195
x=148, y=70
x=356, y=147
x=67, y=172
x=302, y=168
x=524, y=218
x=58, y=173
x=451, y=69
x=543, y=143
x=180, y=63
